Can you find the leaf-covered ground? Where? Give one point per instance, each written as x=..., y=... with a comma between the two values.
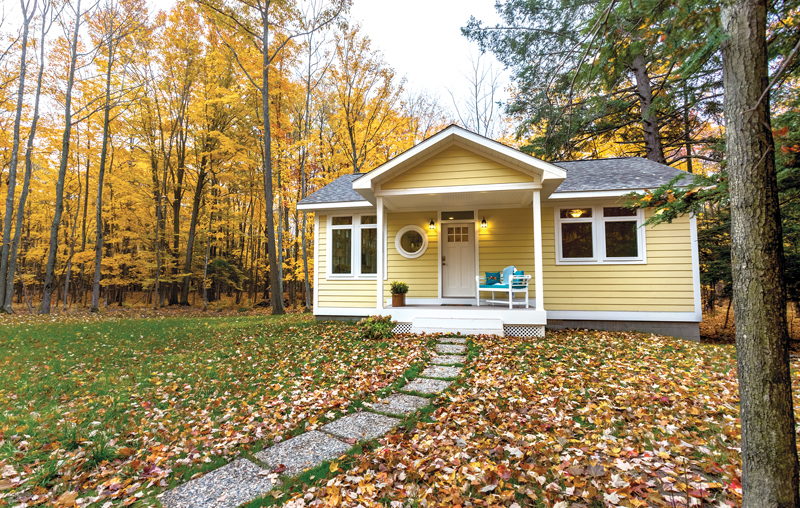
x=576, y=419
x=111, y=412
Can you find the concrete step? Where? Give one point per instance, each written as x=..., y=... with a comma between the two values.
x=464, y=326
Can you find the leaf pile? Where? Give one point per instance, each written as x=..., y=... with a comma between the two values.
x=111, y=413
x=576, y=419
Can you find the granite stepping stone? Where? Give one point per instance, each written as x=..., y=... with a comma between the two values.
x=361, y=426
x=230, y=486
x=302, y=452
x=399, y=404
x=450, y=348
x=438, y=371
x=448, y=359
x=452, y=340
x=423, y=385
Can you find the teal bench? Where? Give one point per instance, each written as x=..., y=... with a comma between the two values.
x=510, y=283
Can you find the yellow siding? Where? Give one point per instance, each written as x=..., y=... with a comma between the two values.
x=664, y=284
x=421, y=274
x=508, y=240
x=456, y=166
x=340, y=293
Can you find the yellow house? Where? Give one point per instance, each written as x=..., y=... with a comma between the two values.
x=457, y=206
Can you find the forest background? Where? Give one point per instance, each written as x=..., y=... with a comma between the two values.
x=141, y=164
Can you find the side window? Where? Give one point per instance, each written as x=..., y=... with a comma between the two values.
x=342, y=245
x=599, y=234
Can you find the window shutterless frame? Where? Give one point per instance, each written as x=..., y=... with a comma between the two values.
x=356, y=224
x=568, y=214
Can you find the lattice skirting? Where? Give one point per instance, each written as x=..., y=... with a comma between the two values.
x=402, y=328
x=523, y=331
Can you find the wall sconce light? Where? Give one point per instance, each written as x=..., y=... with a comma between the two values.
x=483, y=223
x=432, y=225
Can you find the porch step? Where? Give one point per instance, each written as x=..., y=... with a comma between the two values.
x=464, y=326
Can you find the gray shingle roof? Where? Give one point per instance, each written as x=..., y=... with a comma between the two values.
x=615, y=174
x=588, y=175
x=337, y=191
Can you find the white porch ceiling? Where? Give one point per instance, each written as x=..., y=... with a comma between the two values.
x=508, y=198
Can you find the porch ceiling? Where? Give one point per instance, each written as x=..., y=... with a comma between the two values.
x=521, y=197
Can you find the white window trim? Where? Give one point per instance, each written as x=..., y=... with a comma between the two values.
x=399, y=244
x=598, y=236
x=355, y=250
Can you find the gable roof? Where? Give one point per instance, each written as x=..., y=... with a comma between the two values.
x=548, y=174
x=625, y=173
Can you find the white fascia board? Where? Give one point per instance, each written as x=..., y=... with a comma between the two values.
x=335, y=206
x=581, y=315
x=591, y=194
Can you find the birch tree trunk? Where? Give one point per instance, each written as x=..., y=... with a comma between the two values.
x=12, y=170
x=49, y=276
x=12, y=258
x=769, y=450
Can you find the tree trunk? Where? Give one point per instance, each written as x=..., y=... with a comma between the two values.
x=12, y=258
x=275, y=283
x=49, y=276
x=650, y=129
x=196, y=201
x=769, y=450
x=12, y=169
x=98, y=246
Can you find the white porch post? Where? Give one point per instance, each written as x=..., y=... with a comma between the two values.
x=537, y=249
x=381, y=248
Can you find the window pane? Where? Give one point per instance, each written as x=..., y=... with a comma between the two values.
x=411, y=241
x=342, y=221
x=369, y=250
x=621, y=241
x=576, y=240
x=369, y=219
x=618, y=212
x=576, y=213
x=342, y=251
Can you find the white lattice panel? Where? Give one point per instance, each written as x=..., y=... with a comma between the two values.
x=523, y=331
x=402, y=328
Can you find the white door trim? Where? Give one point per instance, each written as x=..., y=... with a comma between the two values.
x=473, y=239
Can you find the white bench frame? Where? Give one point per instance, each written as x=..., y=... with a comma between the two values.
x=516, y=280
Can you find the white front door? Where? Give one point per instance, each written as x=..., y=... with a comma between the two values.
x=458, y=260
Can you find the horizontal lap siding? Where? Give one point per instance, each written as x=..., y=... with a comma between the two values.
x=456, y=166
x=422, y=273
x=340, y=293
x=664, y=284
x=507, y=240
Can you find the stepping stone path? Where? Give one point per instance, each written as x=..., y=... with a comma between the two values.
x=242, y=480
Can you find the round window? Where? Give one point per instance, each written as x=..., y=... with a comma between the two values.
x=411, y=241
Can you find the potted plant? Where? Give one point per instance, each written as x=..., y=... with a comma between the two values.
x=399, y=290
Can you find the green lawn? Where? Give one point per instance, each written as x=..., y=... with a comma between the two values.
x=121, y=409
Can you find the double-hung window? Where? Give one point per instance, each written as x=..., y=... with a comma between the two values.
x=599, y=234
x=353, y=246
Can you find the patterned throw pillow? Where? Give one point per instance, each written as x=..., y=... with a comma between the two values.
x=492, y=278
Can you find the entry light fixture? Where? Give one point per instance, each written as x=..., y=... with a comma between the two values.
x=432, y=225
x=483, y=223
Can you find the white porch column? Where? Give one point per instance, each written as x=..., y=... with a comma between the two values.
x=381, y=248
x=537, y=249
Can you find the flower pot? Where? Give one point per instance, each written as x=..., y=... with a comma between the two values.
x=399, y=300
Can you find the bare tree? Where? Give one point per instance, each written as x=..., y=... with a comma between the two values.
x=478, y=110
x=49, y=277
x=238, y=19
x=28, y=12
x=47, y=16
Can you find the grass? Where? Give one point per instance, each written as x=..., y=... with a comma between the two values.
x=122, y=407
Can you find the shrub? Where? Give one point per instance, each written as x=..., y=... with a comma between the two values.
x=376, y=327
x=399, y=288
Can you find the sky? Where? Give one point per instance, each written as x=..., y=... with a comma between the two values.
x=422, y=39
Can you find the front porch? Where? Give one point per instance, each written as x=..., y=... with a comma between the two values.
x=468, y=319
